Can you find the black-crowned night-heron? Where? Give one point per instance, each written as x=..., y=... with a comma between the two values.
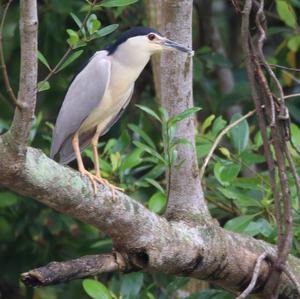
x=100, y=93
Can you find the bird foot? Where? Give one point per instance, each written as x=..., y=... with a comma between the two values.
x=94, y=179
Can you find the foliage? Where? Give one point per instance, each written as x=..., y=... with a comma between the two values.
x=138, y=150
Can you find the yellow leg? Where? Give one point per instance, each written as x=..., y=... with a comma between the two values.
x=94, y=143
x=81, y=168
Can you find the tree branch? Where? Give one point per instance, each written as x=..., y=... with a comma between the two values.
x=150, y=242
x=21, y=125
x=86, y=266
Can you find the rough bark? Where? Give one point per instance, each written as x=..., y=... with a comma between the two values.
x=58, y=272
x=177, y=96
x=21, y=125
x=149, y=242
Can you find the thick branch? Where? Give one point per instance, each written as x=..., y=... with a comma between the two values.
x=86, y=266
x=177, y=96
x=205, y=251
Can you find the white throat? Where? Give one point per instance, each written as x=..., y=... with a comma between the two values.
x=127, y=63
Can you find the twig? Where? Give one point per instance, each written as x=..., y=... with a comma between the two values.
x=292, y=76
x=255, y=275
x=294, y=172
x=86, y=266
x=218, y=139
x=292, y=95
x=285, y=67
x=2, y=60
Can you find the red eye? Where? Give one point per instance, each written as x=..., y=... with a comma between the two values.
x=151, y=36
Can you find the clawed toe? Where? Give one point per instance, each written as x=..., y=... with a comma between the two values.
x=102, y=181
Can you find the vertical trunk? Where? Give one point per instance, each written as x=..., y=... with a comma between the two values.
x=185, y=192
x=19, y=133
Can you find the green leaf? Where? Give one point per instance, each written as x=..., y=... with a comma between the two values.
x=226, y=172
x=7, y=199
x=286, y=13
x=132, y=160
x=106, y=30
x=294, y=43
x=239, y=135
x=157, y=202
x=77, y=20
x=43, y=85
x=73, y=38
x=185, y=114
x=116, y=3
x=79, y=23
x=115, y=159
x=207, y=123
x=131, y=284
x=96, y=289
x=142, y=134
x=149, y=111
x=156, y=185
x=218, y=126
x=149, y=150
x=43, y=60
x=93, y=24
x=239, y=224
x=70, y=59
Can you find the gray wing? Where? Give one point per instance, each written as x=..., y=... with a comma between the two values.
x=84, y=94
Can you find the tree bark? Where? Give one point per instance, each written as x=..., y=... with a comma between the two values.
x=21, y=125
x=148, y=241
x=177, y=96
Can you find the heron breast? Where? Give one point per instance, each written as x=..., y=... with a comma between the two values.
x=107, y=109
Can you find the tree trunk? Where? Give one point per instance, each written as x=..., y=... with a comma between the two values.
x=177, y=96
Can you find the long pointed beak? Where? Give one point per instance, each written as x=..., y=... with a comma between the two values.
x=171, y=44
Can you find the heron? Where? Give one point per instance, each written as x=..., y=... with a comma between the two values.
x=99, y=94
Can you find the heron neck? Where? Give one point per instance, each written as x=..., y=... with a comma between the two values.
x=133, y=59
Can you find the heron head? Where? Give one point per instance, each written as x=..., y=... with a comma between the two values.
x=148, y=41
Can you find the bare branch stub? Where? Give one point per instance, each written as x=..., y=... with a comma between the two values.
x=86, y=266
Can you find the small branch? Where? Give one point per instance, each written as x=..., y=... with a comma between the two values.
x=69, y=50
x=292, y=96
x=86, y=266
x=294, y=172
x=2, y=59
x=285, y=67
x=218, y=139
x=255, y=275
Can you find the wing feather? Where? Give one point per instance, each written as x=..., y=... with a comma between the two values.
x=84, y=94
